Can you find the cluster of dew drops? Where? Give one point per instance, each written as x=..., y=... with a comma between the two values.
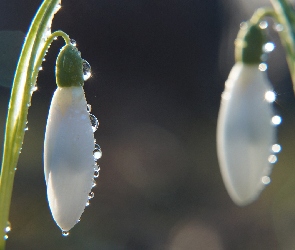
x=97, y=153
x=7, y=229
x=270, y=96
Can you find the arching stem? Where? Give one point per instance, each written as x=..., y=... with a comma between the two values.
x=20, y=99
x=286, y=17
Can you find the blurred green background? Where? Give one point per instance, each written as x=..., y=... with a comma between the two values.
x=159, y=68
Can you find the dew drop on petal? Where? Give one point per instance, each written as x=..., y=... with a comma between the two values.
x=263, y=25
x=87, y=203
x=88, y=108
x=86, y=70
x=93, y=183
x=265, y=180
x=276, y=120
x=276, y=148
x=96, y=167
x=94, y=122
x=262, y=67
x=5, y=237
x=270, y=96
x=91, y=195
x=96, y=174
x=65, y=233
x=97, y=152
x=272, y=159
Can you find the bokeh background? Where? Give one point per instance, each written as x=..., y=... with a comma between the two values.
x=159, y=68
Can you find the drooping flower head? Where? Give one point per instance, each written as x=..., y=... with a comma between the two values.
x=245, y=131
x=69, y=163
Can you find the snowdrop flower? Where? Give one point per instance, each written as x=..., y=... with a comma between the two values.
x=245, y=133
x=69, y=143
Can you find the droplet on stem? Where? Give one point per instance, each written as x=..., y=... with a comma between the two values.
x=73, y=42
x=268, y=47
x=263, y=25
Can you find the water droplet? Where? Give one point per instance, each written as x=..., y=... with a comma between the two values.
x=73, y=42
x=97, y=152
x=55, y=38
x=93, y=183
x=268, y=47
x=8, y=227
x=276, y=148
x=270, y=96
x=57, y=7
x=87, y=203
x=276, y=120
x=263, y=25
x=262, y=67
x=96, y=167
x=91, y=195
x=272, y=159
x=94, y=122
x=40, y=68
x=5, y=237
x=88, y=108
x=278, y=27
x=265, y=180
x=65, y=233
x=96, y=174
x=26, y=128
x=35, y=88
x=86, y=70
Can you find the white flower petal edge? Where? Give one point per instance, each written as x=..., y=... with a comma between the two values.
x=245, y=133
x=68, y=156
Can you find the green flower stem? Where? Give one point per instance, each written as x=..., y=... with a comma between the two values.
x=260, y=14
x=44, y=51
x=286, y=17
x=251, y=38
x=18, y=107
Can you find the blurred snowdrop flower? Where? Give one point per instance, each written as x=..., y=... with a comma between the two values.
x=69, y=143
x=245, y=133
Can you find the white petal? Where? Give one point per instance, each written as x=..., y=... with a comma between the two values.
x=68, y=156
x=245, y=133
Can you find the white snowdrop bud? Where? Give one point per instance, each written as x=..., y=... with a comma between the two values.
x=69, y=143
x=68, y=156
x=245, y=134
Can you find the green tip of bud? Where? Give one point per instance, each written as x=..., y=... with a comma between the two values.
x=69, y=67
x=249, y=44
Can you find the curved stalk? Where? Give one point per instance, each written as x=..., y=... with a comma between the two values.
x=18, y=107
x=286, y=17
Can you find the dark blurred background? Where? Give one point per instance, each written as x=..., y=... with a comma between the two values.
x=158, y=70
